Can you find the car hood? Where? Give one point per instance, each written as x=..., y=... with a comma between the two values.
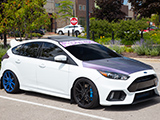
x=121, y=65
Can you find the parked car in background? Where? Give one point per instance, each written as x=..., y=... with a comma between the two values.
x=150, y=29
x=40, y=31
x=77, y=28
x=78, y=69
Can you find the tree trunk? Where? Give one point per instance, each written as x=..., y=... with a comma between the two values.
x=158, y=20
x=5, y=40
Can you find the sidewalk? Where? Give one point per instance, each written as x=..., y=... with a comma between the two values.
x=147, y=59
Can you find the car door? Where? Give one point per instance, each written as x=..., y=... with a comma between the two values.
x=52, y=76
x=66, y=29
x=25, y=61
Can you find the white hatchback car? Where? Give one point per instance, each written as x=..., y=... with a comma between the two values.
x=77, y=28
x=77, y=69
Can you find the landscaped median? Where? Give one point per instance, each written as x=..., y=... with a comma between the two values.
x=2, y=52
x=137, y=50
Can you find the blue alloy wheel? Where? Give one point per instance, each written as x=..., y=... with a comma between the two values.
x=10, y=82
x=85, y=93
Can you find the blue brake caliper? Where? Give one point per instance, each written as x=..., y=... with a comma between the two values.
x=91, y=94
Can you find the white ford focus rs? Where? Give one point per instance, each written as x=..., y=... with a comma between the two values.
x=78, y=69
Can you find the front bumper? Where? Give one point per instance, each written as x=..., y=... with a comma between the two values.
x=120, y=92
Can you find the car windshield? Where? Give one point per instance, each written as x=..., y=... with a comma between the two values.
x=86, y=52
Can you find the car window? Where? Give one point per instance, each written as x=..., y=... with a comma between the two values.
x=88, y=52
x=49, y=51
x=16, y=50
x=66, y=27
x=30, y=49
x=73, y=26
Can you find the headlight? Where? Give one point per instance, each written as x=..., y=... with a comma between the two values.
x=113, y=75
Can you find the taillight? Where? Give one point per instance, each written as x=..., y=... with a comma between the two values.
x=6, y=56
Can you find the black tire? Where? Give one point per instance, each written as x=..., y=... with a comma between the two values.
x=10, y=82
x=60, y=33
x=85, y=94
x=77, y=32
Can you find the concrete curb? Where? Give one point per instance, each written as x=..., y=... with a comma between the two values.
x=147, y=59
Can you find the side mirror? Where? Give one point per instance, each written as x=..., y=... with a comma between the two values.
x=60, y=58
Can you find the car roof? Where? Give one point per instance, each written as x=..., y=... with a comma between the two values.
x=60, y=38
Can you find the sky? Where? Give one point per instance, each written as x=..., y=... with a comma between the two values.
x=125, y=2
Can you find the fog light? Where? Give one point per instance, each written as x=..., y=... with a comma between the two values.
x=156, y=81
x=116, y=96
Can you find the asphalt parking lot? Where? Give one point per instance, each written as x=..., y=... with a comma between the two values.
x=34, y=106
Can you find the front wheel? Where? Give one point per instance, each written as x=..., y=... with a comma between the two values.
x=77, y=32
x=10, y=82
x=85, y=94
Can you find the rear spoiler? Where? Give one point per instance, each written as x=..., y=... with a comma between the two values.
x=14, y=43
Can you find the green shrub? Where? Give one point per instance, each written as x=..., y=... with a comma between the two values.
x=154, y=52
x=2, y=53
x=147, y=51
x=140, y=50
x=128, y=49
x=127, y=31
x=34, y=35
x=153, y=36
x=103, y=40
x=117, y=48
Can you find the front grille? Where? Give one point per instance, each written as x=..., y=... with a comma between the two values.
x=143, y=83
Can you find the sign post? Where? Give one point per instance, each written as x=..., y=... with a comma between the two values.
x=73, y=21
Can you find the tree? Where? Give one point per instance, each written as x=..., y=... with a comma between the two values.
x=146, y=7
x=65, y=9
x=3, y=28
x=109, y=10
x=24, y=16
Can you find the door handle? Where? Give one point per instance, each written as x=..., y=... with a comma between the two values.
x=18, y=61
x=42, y=66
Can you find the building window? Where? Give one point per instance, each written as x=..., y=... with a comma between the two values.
x=82, y=21
x=84, y=7
x=80, y=7
x=57, y=4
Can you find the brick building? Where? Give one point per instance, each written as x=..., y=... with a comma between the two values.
x=79, y=8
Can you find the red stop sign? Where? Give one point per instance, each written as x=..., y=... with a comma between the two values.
x=74, y=21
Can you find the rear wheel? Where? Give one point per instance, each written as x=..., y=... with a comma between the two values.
x=10, y=82
x=60, y=33
x=85, y=94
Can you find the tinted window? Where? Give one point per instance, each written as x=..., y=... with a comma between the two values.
x=16, y=50
x=73, y=26
x=49, y=51
x=66, y=27
x=88, y=52
x=30, y=49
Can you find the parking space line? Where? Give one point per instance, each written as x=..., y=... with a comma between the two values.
x=55, y=108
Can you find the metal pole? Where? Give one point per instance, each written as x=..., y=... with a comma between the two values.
x=87, y=17
x=73, y=11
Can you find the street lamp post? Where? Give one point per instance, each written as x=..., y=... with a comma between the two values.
x=87, y=17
